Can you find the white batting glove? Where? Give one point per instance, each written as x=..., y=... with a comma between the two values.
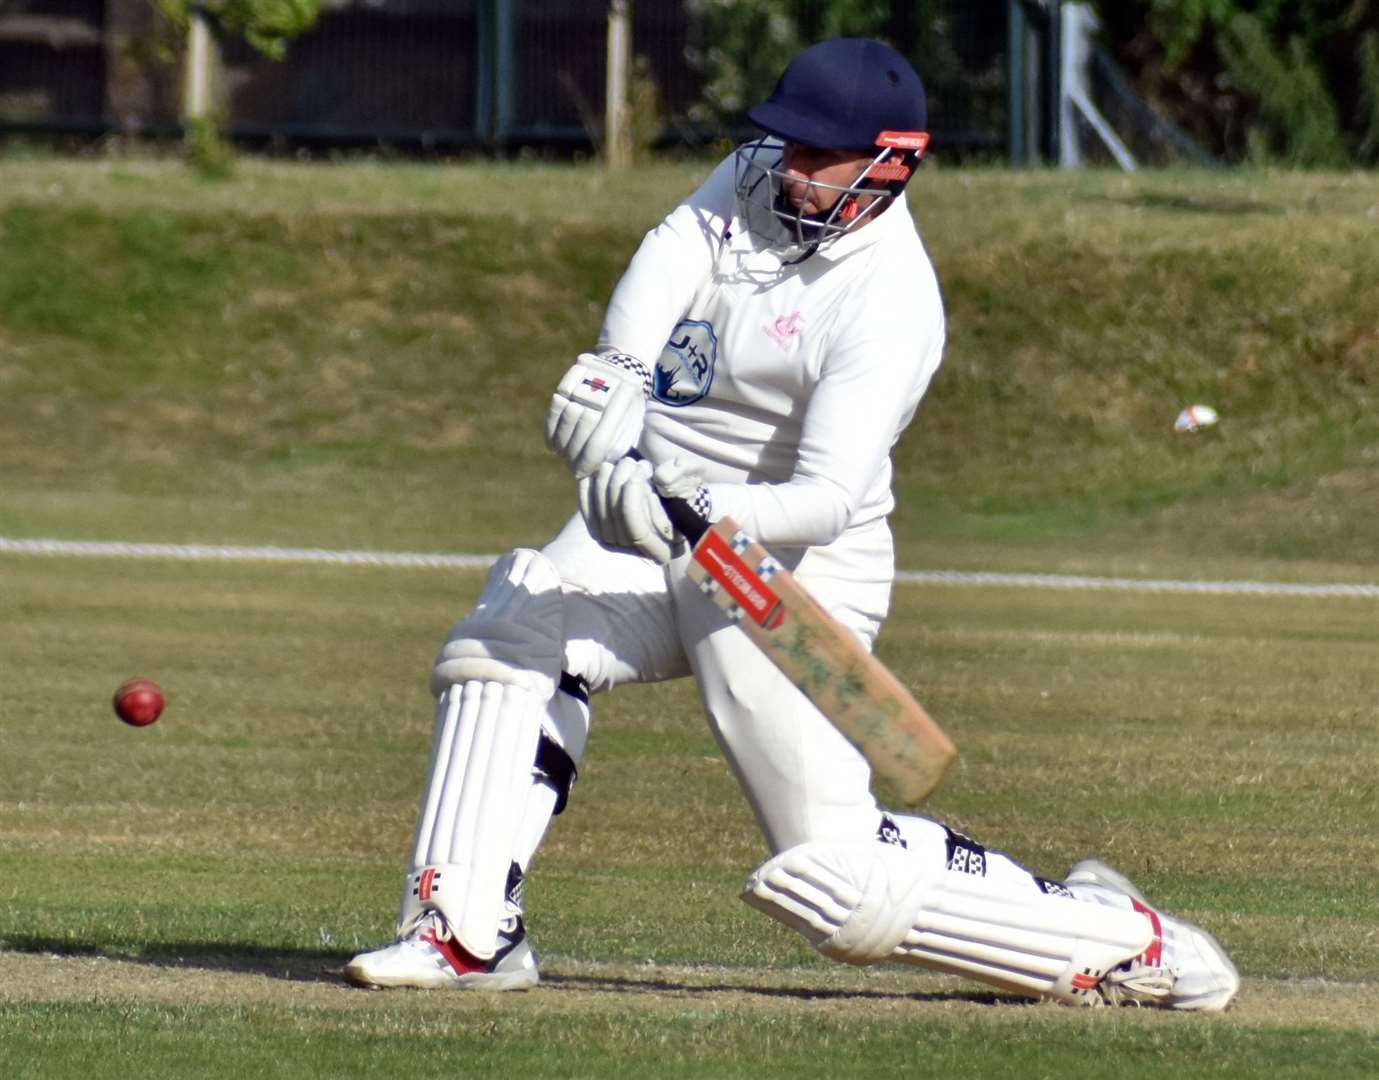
x=622, y=510
x=676, y=481
x=597, y=411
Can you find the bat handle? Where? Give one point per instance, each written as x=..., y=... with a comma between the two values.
x=691, y=524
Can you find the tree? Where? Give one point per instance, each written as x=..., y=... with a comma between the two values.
x=1293, y=81
x=747, y=44
x=267, y=25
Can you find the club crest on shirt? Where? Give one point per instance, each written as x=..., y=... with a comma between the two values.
x=684, y=370
x=785, y=331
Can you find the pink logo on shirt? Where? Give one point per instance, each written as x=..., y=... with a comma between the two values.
x=785, y=330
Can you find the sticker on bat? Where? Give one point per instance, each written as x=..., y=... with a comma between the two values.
x=740, y=581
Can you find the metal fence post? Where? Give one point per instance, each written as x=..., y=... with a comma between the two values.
x=494, y=92
x=1015, y=82
x=483, y=71
x=504, y=72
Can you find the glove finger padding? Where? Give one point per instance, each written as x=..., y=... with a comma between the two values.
x=598, y=508
x=596, y=412
x=640, y=512
x=588, y=507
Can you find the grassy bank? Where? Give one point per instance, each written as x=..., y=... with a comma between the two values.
x=360, y=355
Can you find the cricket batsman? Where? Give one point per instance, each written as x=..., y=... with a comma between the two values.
x=767, y=345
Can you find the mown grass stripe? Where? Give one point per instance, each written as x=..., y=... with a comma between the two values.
x=231, y=553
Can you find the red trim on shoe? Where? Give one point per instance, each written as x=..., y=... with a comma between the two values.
x=1085, y=981
x=1152, y=956
x=462, y=962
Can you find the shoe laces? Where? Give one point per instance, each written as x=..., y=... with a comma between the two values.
x=428, y=926
x=1143, y=978
x=432, y=921
x=1134, y=982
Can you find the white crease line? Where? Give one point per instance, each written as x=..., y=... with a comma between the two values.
x=227, y=553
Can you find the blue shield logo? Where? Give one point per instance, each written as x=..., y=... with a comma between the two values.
x=684, y=370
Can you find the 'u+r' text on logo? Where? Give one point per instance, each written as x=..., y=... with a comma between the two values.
x=684, y=370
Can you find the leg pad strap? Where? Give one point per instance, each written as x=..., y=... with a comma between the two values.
x=556, y=768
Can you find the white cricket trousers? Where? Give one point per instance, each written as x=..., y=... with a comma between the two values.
x=630, y=620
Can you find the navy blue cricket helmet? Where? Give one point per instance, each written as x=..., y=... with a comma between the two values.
x=850, y=94
x=842, y=94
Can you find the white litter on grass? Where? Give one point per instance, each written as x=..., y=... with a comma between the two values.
x=391, y=559
x=1194, y=418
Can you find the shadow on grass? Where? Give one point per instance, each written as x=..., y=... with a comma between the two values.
x=292, y=965
x=656, y=984
x=326, y=965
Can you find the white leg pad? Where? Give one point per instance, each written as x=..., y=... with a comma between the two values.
x=476, y=794
x=494, y=676
x=1025, y=942
x=866, y=902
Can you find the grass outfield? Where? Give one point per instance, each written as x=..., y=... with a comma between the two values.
x=178, y=900
x=358, y=357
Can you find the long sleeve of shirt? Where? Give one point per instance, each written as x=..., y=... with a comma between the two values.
x=785, y=386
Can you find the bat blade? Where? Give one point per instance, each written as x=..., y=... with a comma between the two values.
x=854, y=690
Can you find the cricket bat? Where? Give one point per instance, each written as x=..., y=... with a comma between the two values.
x=854, y=690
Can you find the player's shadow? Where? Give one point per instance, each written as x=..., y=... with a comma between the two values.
x=291, y=965
x=653, y=984
x=326, y=966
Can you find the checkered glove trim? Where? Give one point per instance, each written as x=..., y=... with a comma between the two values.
x=632, y=364
x=702, y=504
x=676, y=481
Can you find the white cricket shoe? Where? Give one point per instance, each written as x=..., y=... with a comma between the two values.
x=427, y=957
x=1183, y=968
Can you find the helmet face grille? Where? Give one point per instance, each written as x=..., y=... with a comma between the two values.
x=778, y=226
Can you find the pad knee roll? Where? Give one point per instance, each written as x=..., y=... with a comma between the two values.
x=854, y=903
x=515, y=634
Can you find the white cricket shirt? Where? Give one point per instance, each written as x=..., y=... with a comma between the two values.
x=784, y=385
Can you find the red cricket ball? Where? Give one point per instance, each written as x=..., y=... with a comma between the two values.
x=139, y=702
